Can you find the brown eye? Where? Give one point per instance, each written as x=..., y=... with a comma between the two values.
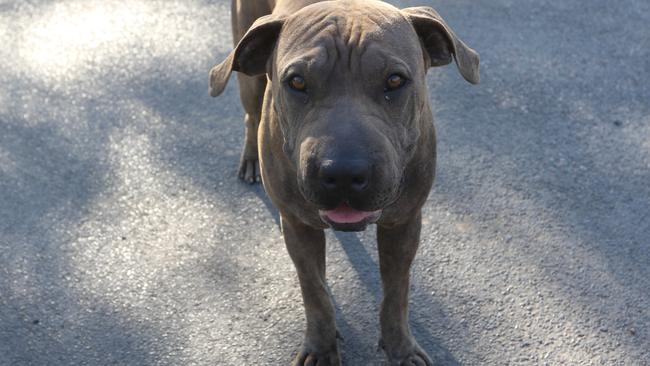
x=297, y=82
x=394, y=82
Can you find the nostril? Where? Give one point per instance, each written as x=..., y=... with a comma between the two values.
x=343, y=175
x=359, y=182
x=329, y=182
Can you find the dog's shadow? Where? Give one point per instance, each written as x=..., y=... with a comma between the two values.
x=367, y=272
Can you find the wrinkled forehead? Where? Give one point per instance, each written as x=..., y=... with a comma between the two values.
x=331, y=32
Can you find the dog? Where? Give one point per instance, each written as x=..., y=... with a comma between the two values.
x=339, y=129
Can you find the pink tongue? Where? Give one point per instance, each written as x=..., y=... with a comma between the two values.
x=345, y=214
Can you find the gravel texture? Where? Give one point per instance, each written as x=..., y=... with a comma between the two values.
x=126, y=238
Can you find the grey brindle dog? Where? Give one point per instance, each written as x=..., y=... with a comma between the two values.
x=338, y=114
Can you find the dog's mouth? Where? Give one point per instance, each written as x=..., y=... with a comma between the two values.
x=346, y=218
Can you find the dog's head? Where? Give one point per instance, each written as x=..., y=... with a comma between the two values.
x=349, y=92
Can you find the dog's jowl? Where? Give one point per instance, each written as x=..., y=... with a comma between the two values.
x=339, y=128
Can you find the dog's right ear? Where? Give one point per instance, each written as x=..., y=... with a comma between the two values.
x=251, y=54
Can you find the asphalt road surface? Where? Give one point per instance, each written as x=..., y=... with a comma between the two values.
x=126, y=238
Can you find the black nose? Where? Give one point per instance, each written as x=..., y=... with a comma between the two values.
x=344, y=175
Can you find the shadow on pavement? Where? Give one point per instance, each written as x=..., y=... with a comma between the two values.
x=367, y=271
x=51, y=180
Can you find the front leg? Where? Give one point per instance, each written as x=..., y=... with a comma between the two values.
x=306, y=247
x=397, y=247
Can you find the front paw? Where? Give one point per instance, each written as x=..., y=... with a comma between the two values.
x=407, y=353
x=309, y=356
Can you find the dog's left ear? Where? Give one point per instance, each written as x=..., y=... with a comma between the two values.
x=251, y=54
x=440, y=42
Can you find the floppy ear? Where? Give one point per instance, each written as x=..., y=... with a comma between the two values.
x=251, y=54
x=440, y=42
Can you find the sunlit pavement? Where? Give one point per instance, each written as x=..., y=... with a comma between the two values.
x=126, y=239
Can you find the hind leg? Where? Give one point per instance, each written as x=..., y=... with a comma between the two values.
x=251, y=91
